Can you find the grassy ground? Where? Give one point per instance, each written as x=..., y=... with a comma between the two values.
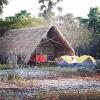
x=65, y=71
x=54, y=95
x=69, y=71
x=46, y=66
x=73, y=94
x=70, y=95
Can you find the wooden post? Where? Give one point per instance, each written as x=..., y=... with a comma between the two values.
x=35, y=56
x=64, y=50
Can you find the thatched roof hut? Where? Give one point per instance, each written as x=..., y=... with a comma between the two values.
x=24, y=43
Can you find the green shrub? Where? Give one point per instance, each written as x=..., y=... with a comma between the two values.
x=21, y=23
x=4, y=66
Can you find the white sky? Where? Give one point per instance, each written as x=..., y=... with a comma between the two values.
x=77, y=7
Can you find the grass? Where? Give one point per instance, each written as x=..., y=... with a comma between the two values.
x=55, y=95
x=78, y=94
x=57, y=69
x=65, y=70
x=69, y=71
x=70, y=95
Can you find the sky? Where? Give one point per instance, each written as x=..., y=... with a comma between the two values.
x=79, y=8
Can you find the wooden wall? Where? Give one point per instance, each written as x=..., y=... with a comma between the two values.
x=50, y=49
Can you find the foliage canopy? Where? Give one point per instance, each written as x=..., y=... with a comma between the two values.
x=2, y=3
x=47, y=6
x=20, y=20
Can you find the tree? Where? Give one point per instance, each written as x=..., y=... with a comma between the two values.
x=82, y=20
x=20, y=20
x=94, y=19
x=22, y=14
x=2, y=3
x=47, y=6
x=59, y=10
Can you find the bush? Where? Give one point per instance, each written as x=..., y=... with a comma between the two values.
x=21, y=23
x=4, y=66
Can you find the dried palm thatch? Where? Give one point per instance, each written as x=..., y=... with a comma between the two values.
x=23, y=42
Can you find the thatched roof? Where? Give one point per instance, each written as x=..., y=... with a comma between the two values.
x=24, y=41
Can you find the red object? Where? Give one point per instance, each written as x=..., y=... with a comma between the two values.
x=38, y=58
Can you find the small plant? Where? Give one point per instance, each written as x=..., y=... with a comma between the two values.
x=4, y=66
